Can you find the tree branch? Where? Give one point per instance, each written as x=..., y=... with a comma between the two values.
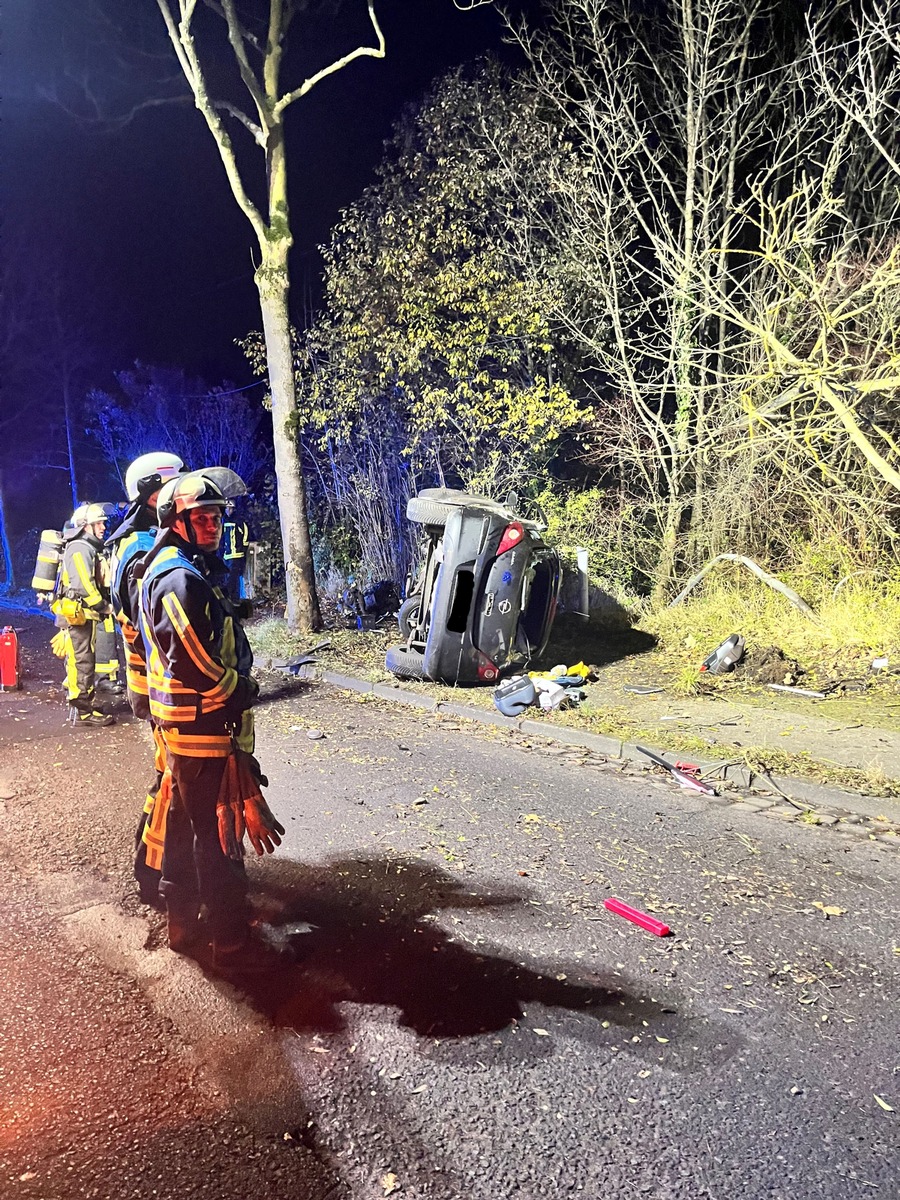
x=360, y=52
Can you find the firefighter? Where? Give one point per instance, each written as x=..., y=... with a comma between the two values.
x=108, y=668
x=133, y=537
x=82, y=602
x=235, y=542
x=201, y=695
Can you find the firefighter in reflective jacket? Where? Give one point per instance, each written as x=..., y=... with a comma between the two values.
x=81, y=602
x=126, y=544
x=201, y=695
x=235, y=540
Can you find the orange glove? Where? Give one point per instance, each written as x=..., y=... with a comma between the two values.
x=263, y=828
x=230, y=811
x=230, y=815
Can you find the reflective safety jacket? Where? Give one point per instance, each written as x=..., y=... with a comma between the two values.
x=235, y=540
x=82, y=574
x=198, y=656
x=125, y=597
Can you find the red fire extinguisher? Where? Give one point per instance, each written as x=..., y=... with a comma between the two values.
x=9, y=660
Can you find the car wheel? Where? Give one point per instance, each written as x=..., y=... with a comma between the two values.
x=405, y=664
x=428, y=512
x=408, y=615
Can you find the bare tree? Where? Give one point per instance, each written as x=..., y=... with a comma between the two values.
x=258, y=54
x=665, y=115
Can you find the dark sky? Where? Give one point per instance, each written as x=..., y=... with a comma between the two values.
x=143, y=217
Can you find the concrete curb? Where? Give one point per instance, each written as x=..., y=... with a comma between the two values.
x=802, y=791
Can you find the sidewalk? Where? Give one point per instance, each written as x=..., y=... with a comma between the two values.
x=672, y=726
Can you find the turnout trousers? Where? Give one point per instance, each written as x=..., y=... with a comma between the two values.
x=80, y=665
x=195, y=871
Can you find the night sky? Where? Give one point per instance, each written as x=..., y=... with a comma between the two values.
x=143, y=217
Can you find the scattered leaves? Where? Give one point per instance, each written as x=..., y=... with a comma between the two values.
x=541, y=1032
x=830, y=910
x=389, y=1183
x=882, y=1103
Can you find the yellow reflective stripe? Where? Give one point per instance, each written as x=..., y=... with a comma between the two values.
x=199, y=656
x=48, y=558
x=92, y=596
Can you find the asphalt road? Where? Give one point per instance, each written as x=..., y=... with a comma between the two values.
x=465, y=1019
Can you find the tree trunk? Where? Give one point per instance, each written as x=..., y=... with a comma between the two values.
x=9, y=574
x=67, y=419
x=303, y=613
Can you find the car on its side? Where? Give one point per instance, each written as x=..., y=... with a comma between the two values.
x=485, y=597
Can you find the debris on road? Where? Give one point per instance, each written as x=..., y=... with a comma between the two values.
x=682, y=778
x=798, y=691
x=620, y=908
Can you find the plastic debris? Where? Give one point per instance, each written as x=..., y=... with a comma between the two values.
x=682, y=778
x=514, y=695
x=880, y=664
x=641, y=689
x=798, y=691
x=621, y=909
x=725, y=655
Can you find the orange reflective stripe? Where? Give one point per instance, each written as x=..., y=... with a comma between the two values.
x=197, y=745
x=154, y=835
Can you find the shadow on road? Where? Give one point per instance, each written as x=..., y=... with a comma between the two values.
x=375, y=941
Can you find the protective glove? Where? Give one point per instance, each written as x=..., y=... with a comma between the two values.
x=263, y=827
x=59, y=643
x=230, y=816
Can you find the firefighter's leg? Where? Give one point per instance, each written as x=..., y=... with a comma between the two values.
x=195, y=870
x=106, y=654
x=80, y=667
x=149, y=838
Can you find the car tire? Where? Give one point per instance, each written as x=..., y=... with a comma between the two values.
x=428, y=512
x=405, y=664
x=408, y=614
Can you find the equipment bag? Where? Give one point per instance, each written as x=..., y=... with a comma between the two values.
x=9, y=660
x=70, y=610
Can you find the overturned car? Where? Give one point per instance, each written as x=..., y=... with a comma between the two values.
x=485, y=597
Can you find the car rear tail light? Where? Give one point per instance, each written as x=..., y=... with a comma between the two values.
x=511, y=537
x=487, y=672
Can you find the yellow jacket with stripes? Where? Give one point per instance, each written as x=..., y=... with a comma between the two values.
x=198, y=656
x=82, y=576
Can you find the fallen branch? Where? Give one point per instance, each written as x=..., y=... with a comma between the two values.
x=757, y=570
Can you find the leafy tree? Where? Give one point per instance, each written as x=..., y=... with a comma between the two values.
x=160, y=408
x=427, y=316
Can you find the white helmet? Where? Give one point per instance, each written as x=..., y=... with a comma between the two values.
x=149, y=472
x=79, y=517
x=93, y=513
